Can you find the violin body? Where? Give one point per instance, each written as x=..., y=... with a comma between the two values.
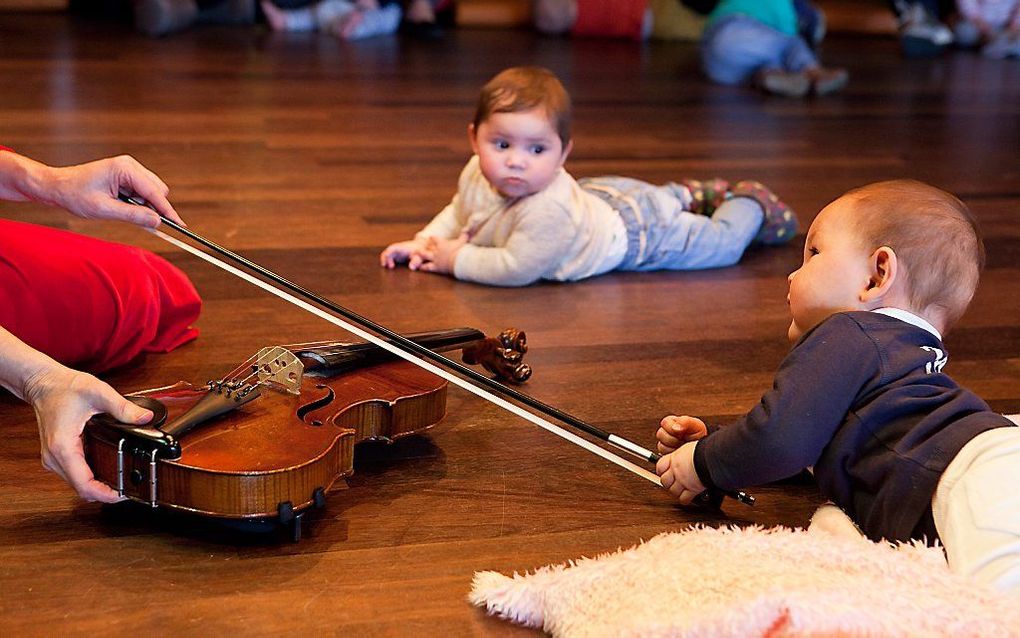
x=242, y=449
x=247, y=462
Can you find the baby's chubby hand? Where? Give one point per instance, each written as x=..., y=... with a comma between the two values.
x=441, y=254
x=674, y=431
x=677, y=473
x=402, y=252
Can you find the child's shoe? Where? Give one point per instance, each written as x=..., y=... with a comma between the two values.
x=369, y=23
x=157, y=18
x=966, y=34
x=228, y=12
x=826, y=81
x=785, y=83
x=780, y=224
x=921, y=34
x=1004, y=45
x=706, y=195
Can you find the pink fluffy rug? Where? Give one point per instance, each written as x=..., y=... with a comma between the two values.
x=752, y=582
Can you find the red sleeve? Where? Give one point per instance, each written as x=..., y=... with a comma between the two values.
x=88, y=303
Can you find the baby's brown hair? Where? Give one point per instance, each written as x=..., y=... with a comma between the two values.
x=933, y=234
x=522, y=88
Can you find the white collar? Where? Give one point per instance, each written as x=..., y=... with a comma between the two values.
x=909, y=317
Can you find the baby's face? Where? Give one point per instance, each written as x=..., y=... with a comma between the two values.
x=519, y=153
x=835, y=271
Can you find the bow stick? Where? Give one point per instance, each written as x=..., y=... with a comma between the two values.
x=402, y=347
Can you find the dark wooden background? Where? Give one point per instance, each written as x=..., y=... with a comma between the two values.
x=309, y=155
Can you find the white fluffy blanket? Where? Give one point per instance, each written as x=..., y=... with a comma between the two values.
x=752, y=582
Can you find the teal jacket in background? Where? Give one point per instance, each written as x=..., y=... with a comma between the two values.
x=778, y=14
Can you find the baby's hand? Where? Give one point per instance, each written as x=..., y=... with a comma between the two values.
x=400, y=252
x=676, y=471
x=441, y=254
x=674, y=431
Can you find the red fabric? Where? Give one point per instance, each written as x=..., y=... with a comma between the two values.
x=91, y=304
x=616, y=18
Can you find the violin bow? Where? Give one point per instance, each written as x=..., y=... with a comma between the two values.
x=403, y=347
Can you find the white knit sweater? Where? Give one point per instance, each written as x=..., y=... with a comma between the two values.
x=562, y=232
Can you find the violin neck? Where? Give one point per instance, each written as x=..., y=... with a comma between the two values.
x=335, y=358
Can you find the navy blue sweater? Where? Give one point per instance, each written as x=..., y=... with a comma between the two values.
x=862, y=398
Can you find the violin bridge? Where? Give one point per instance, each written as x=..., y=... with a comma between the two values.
x=279, y=369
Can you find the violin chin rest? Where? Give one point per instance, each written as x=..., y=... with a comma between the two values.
x=147, y=437
x=157, y=408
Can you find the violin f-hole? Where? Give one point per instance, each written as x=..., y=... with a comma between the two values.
x=321, y=402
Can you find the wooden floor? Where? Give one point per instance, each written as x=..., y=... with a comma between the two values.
x=309, y=156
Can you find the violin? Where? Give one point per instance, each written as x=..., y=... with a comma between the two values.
x=416, y=354
x=269, y=439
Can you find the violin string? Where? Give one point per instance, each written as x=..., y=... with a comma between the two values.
x=254, y=374
x=314, y=345
x=236, y=373
x=252, y=364
x=426, y=365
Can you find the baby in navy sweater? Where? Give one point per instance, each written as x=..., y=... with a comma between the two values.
x=862, y=398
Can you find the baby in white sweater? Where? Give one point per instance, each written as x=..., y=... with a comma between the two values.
x=519, y=217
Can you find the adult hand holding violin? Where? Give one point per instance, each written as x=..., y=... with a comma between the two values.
x=63, y=400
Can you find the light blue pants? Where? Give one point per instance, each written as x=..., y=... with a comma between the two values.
x=663, y=235
x=736, y=47
x=322, y=15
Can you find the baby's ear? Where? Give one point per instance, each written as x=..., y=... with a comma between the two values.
x=884, y=272
x=473, y=138
x=566, y=151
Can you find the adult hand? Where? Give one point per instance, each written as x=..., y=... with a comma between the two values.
x=63, y=400
x=91, y=191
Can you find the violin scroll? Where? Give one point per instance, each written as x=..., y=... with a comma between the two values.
x=503, y=356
